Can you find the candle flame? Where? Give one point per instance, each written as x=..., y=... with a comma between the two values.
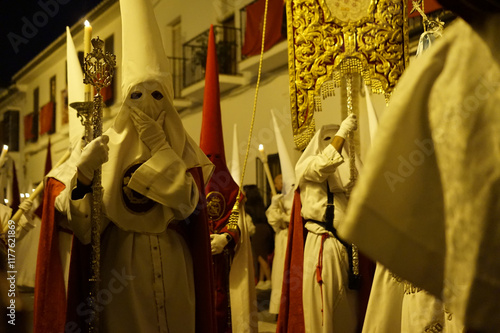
x=5, y=147
x=261, y=147
x=87, y=24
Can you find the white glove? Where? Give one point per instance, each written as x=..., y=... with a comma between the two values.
x=26, y=205
x=218, y=242
x=349, y=124
x=276, y=199
x=93, y=156
x=150, y=131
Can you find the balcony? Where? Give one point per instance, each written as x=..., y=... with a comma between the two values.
x=274, y=58
x=177, y=65
x=195, y=57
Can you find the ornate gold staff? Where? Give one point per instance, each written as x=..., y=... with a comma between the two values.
x=98, y=72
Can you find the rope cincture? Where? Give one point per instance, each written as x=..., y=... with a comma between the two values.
x=234, y=217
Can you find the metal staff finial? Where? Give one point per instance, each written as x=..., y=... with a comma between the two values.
x=98, y=72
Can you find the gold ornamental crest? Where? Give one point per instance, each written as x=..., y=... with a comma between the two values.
x=216, y=205
x=134, y=201
x=329, y=39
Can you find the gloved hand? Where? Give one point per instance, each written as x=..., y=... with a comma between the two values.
x=276, y=199
x=349, y=124
x=93, y=156
x=150, y=130
x=218, y=242
x=26, y=205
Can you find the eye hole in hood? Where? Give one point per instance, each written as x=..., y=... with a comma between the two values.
x=157, y=95
x=136, y=95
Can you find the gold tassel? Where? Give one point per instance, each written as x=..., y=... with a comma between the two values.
x=232, y=224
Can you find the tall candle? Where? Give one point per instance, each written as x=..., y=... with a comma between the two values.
x=87, y=36
x=270, y=180
x=263, y=156
x=2, y=156
x=5, y=149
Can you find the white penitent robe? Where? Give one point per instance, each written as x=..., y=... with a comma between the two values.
x=279, y=220
x=147, y=275
x=383, y=313
x=329, y=306
x=397, y=306
x=429, y=193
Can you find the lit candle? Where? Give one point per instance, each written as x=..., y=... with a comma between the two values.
x=3, y=157
x=87, y=36
x=4, y=152
x=263, y=156
x=270, y=180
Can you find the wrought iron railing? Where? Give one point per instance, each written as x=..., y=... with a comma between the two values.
x=177, y=66
x=195, y=54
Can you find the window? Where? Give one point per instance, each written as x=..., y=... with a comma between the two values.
x=36, y=110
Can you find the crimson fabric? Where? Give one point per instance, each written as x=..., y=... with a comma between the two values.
x=48, y=167
x=28, y=127
x=291, y=313
x=429, y=6
x=16, y=198
x=366, y=271
x=222, y=263
x=199, y=242
x=78, y=287
x=47, y=117
x=50, y=298
x=255, y=22
x=212, y=142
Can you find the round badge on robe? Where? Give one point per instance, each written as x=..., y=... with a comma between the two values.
x=216, y=205
x=135, y=201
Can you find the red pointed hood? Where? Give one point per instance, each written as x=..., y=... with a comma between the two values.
x=212, y=143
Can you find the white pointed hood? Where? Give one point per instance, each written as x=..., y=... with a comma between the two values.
x=76, y=89
x=372, y=115
x=146, y=70
x=145, y=63
x=235, y=162
x=76, y=93
x=287, y=168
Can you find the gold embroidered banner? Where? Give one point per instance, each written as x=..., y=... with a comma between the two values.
x=330, y=38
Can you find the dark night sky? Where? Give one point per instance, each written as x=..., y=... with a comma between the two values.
x=28, y=26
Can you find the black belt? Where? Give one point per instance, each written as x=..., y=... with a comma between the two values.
x=354, y=279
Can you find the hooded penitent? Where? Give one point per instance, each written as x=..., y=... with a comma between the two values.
x=146, y=85
x=222, y=189
x=233, y=272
